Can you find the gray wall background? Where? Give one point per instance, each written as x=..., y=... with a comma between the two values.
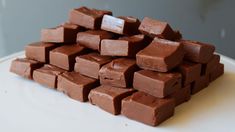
x=210, y=21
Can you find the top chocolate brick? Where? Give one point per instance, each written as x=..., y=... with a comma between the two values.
x=88, y=18
x=120, y=25
x=155, y=28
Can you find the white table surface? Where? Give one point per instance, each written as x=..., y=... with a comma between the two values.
x=26, y=106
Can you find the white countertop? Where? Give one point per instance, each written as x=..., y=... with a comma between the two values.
x=26, y=106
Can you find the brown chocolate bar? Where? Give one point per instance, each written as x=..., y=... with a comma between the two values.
x=90, y=64
x=181, y=95
x=147, y=109
x=160, y=55
x=24, y=67
x=217, y=72
x=200, y=84
x=109, y=98
x=118, y=73
x=88, y=18
x=92, y=38
x=64, y=56
x=156, y=28
x=124, y=46
x=190, y=71
x=47, y=75
x=157, y=84
x=197, y=51
x=39, y=51
x=66, y=33
x=211, y=65
x=120, y=25
x=76, y=86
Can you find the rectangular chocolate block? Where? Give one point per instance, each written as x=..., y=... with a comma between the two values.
x=211, y=65
x=118, y=73
x=217, y=72
x=147, y=109
x=181, y=95
x=109, y=98
x=120, y=25
x=66, y=33
x=76, y=86
x=157, y=84
x=155, y=28
x=197, y=51
x=64, y=56
x=47, y=75
x=190, y=71
x=124, y=46
x=92, y=38
x=200, y=84
x=90, y=64
x=24, y=67
x=161, y=55
x=39, y=51
x=88, y=18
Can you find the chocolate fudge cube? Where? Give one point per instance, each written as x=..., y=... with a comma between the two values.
x=109, y=98
x=200, y=84
x=64, y=56
x=120, y=25
x=217, y=72
x=118, y=73
x=76, y=86
x=39, y=51
x=124, y=46
x=47, y=75
x=88, y=18
x=90, y=64
x=156, y=28
x=161, y=55
x=190, y=71
x=197, y=51
x=66, y=33
x=207, y=68
x=24, y=67
x=147, y=109
x=181, y=95
x=92, y=38
x=157, y=84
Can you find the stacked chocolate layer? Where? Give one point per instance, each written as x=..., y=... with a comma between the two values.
x=142, y=70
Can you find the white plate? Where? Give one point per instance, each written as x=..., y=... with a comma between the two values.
x=26, y=106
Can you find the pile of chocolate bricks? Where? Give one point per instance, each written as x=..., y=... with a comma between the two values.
x=140, y=69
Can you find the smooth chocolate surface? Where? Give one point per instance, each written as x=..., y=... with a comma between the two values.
x=39, y=51
x=76, y=86
x=197, y=51
x=92, y=38
x=157, y=84
x=90, y=64
x=217, y=72
x=147, y=109
x=109, y=98
x=47, y=75
x=24, y=67
x=190, y=71
x=211, y=65
x=120, y=25
x=161, y=55
x=66, y=33
x=124, y=46
x=181, y=95
x=64, y=56
x=88, y=18
x=200, y=84
x=118, y=73
x=156, y=28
